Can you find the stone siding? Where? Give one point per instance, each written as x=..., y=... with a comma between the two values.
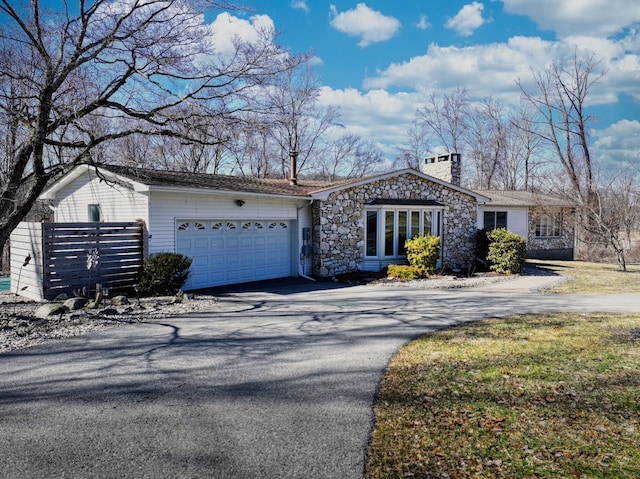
x=551, y=248
x=338, y=229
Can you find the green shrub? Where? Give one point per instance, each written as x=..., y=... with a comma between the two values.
x=507, y=251
x=164, y=274
x=423, y=252
x=401, y=271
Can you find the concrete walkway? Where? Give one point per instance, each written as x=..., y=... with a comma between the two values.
x=275, y=384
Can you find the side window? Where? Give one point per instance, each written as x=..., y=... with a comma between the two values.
x=94, y=213
x=372, y=233
x=494, y=220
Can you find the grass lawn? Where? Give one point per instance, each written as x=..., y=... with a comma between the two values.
x=593, y=277
x=543, y=396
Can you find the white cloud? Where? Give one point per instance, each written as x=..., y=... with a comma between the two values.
x=423, y=24
x=300, y=5
x=619, y=144
x=370, y=25
x=493, y=69
x=578, y=17
x=226, y=29
x=467, y=20
x=374, y=114
x=484, y=69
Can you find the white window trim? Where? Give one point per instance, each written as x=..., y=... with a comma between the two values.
x=436, y=227
x=551, y=223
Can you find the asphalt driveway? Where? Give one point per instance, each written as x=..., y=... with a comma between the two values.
x=272, y=384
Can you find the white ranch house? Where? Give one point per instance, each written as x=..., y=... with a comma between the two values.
x=239, y=229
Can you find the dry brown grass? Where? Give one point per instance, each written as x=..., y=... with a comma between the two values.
x=546, y=396
x=585, y=277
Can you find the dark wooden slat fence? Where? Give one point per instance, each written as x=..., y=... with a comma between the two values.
x=66, y=249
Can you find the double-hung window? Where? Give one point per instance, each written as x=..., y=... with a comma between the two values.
x=494, y=220
x=548, y=226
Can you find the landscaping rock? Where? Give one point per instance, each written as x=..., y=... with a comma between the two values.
x=50, y=309
x=119, y=300
x=73, y=304
x=61, y=297
x=109, y=311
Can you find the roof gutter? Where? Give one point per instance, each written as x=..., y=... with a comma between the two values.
x=206, y=191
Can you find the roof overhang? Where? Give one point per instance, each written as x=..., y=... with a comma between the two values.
x=80, y=170
x=209, y=191
x=109, y=176
x=402, y=202
x=323, y=194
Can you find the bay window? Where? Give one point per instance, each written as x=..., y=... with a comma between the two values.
x=387, y=228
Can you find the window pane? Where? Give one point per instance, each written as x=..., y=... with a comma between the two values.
x=426, y=227
x=94, y=213
x=402, y=232
x=388, y=232
x=489, y=220
x=501, y=219
x=548, y=226
x=372, y=233
x=415, y=224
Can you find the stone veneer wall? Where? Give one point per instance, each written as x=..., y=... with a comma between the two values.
x=338, y=229
x=551, y=248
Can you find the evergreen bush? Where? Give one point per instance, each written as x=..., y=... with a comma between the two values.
x=164, y=274
x=423, y=252
x=403, y=271
x=507, y=251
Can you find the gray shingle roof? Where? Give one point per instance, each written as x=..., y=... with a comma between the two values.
x=523, y=198
x=167, y=178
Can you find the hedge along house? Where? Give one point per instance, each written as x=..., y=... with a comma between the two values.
x=239, y=229
x=546, y=222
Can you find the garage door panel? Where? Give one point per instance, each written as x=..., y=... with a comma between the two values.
x=227, y=252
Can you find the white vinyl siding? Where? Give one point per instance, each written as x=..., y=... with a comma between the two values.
x=116, y=202
x=517, y=218
x=167, y=207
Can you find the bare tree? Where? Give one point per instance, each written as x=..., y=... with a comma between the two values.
x=367, y=159
x=252, y=148
x=445, y=117
x=616, y=215
x=523, y=144
x=559, y=99
x=298, y=124
x=487, y=140
x=417, y=149
x=72, y=80
x=337, y=154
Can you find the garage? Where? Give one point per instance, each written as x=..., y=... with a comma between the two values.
x=230, y=251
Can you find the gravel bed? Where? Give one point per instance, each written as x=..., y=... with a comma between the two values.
x=20, y=328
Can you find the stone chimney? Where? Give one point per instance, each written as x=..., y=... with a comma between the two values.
x=444, y=167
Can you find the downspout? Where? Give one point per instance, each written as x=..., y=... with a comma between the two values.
x=301, y=265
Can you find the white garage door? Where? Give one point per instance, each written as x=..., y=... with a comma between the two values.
x=228, y=252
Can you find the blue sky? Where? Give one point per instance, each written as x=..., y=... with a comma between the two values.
x=379, y=59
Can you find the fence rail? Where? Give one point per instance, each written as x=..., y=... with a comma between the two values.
x=64, y=250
